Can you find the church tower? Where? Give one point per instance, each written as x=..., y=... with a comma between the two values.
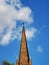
x=23, y=55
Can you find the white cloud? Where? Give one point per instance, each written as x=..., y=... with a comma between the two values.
x=16, y=3
x=6, y=38
x=30, y=33
x=39, y=49
x=8, y=20
x=24, y=14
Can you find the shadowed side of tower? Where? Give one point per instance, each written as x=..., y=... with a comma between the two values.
x=23, y=55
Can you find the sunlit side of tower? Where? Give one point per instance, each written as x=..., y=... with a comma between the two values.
x=23, y=55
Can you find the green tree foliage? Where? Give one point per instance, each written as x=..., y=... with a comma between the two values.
x=6, y=63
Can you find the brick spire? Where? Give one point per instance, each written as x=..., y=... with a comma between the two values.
x=24, y=55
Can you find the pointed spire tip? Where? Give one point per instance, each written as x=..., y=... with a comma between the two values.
x=23, y=23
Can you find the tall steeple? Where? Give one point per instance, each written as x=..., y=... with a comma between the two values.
x=23, y=55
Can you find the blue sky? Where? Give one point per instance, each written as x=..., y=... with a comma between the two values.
x=34, y=14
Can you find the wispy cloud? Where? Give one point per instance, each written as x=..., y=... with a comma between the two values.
x=30, y=33
x=9, y=15
x=39, y=49
x=42, y=28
